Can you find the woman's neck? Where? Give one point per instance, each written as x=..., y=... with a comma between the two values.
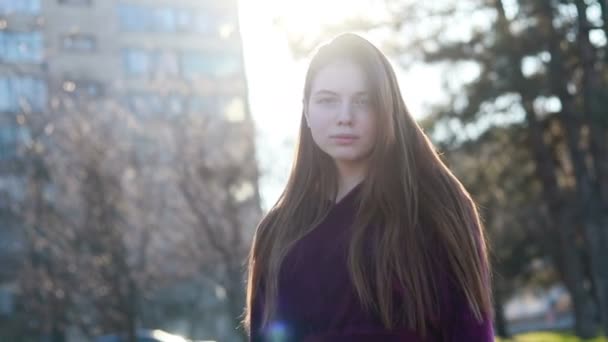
x=349, y=176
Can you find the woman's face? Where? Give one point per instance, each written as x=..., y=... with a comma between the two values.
x=339, y=113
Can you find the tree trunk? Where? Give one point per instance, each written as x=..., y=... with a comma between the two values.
x=545, y=168
x=236, y=298
x=500, y=323
x=599, y=122
x=592, y=105
x=57, y=334
x=583, y=305
x=588, y=205
x=604, y=7
x=131, y=310
x=572, y=264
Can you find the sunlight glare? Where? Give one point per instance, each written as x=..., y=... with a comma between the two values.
x=310, y=17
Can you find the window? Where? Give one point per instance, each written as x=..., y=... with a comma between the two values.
x=146, y=105
x=199, y=105
x=7, y=297
x=152, y=105
x=31, y=7
x=174, y=105
x=133, y=18
x=79, y=42
x=227, y=64
x=140, y=62
x=83, y=88
x=163, y=20
x=11, y=136
x=204, y=23
x=146, y=150
x=138, y=18
x=137, y=61
x=166, y=63
x=153, y=19
x=21, y=46
x=5, y=95
x=184, y=19
x=196, y=64
x=22, y=94
x=76, y=2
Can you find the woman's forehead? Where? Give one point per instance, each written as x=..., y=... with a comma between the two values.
x=341, y=77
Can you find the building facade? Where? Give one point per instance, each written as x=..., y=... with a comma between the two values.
x=158, y=58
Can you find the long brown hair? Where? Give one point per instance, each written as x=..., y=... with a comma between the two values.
x=411, y=206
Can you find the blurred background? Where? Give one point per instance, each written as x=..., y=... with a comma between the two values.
x=142, y=140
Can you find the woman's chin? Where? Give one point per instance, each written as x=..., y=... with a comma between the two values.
x=347, y=159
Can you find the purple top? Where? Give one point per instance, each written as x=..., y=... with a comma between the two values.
x=317, y=301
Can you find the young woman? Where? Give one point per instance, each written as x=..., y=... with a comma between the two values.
x=373, y=238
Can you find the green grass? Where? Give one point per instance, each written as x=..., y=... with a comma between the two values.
x=549, y=337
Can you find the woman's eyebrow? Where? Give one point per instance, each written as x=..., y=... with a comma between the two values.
x=329, y=92
x=325, y=92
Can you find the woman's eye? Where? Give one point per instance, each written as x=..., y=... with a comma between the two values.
x=326, y=100
x=362, y=102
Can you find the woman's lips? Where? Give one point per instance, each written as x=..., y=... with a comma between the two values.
x=344, y=139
